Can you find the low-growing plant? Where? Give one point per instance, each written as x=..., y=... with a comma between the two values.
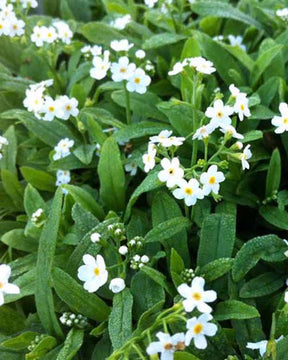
x=143, y=192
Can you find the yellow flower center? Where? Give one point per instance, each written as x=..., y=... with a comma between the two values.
x=197, y=296
x=68, y=107
x=285, y=121
x=220, y=114
x=188, y=191
x=198, y=329
x=1, y=26
x=1, y=285
x=49, y=34
x=212, y=180
x=15, y=27
x=168, y=346
x=51, y=108
x=137, y=80
x=180, y=345
x=242, y=107
x=123, y=70
x=171, y=171
x=97, y=271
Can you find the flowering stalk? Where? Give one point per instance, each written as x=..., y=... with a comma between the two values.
x=128, y=107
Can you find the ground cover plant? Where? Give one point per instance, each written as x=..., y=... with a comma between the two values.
x=143, y=180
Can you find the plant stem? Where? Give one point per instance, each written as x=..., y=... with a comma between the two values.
x=195, y=147
x=128, y=107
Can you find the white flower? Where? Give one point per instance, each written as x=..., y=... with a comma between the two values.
x=144, y=259
x=63, y=177
x=241, y=106
x=121, y=22
x=174, y=141
x=3, y=3
x=162, y=138
x=198, y=328
x=95, y=237
x=3, y=141
x=231, y=131
x=16, y=27
x=65, y=34
x=49, y=108
x=202, y=65
x=166, y=345
x=177, y=68
x=196, y=297
x=237, y=41
x=66, y=107
x=39, y=35
x=36, y=215
x=261, y=345
x=121, y=45
x=282, y=13
x=123, y=250
x=238, y=145
x=29, y=3
x=281, y=122
x=149, y=158
x=203, y=132
x=138, y=81
x=93, y=273
x=5, y=287
x=63, y=148
x=218, y=38
x=50, y=34
x=171, y=173
x=219, y=114
x=246, y=155
x=101, y=66
x=122, y=70
x=150, y=3
x=117, y=285
x=211, y=180
x=234, y=91
x=189, y=191
x=96, y=50
x=131, y=167
x=140, y=54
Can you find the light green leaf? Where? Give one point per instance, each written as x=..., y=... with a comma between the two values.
x=100, y=33
x=72, y=344
x=161, y=40
x=274, y=174
x=234, y=309
x=216, y=268
x=167, y=229
x=275, y=216
x=39, y=179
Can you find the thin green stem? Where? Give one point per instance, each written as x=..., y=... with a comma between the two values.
x=136, y=348
x=128, y=106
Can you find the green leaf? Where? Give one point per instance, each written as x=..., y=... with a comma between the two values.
x=26, y=283
x=72, y=344
x=217, y=238
x=85, y=199
x=12, y=321
x=47, y=245
x=263, y=61
x=184, y=356
x=176, y=267
x=274, y=174
x=147, y=319
x=268, y=247
x=85, y=153
x=149, y=183
x=252, y=135
x=262, y=285
x=164, y=208
x=13, y=188
x=78, y=299
x=20, y=342
x=120, y=319
x=112, y=176
x=275, y=216
x=8, y=160
x=158, y=277
x=234, y=309
x=39, y=179
x=216, y=268
x=146, y=293
x=167, y=229
x=160, y=40
x=43, y=347
x=100, y=33
x=222, y=10
x=16, y=239
x=32, y=200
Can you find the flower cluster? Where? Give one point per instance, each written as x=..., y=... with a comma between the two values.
x=62, y=149
x=35, y=342
x=5, y=286
x=122, y=70
x=10, y=25
x=58, y=31
x=69, y=319
x=45, y=107
x=199, y=63
x=38, y=217
x=197, y=327
x=3, y=141
x=121, y=22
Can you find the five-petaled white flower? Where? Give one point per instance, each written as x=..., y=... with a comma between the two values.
x=5, y=286
x=196, y=297
x=189, y=191
x=246, y=155
x=131, y=167
x=100, y=66
x=121, y=45
x=166, y=345
x=219, y=114
x=203, y=132
x=149, y=158
x=231, y=131
x=237, y=41
x=62, y=149
x=198, y=328
x=93, y=273
x=171, y=173
x=281, y=122
x=202, y=65
x=211, y=180
x=117, y=285
x=49, y=108
x=177, y=68
x=138, y=81
x=66, y=107
x=241, y=106
x=261, y=345
x=121, y=22
x=122, y=70
x=162, y=138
